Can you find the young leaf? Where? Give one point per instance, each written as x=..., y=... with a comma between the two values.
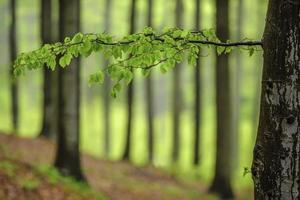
x=77, y=38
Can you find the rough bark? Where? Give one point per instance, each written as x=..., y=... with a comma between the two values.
x=149, y=93
x=197, y=114
x=223, y=168
x=276, y=166
x=107, y=87
x=177, y=91
x=68, y=156
x=49, y=123
x=13, y=56
x=130, y=92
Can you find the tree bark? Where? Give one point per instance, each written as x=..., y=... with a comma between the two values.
x=149, y=100
x=130, y=92
x=13, y=55
x=177, y=91
x=49, y=123
x=275, y=167
x=197, y=86
x=107, y=87
x=68, y=155
x=223, y=168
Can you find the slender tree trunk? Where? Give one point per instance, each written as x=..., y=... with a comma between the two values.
x=197, y=94
x=223, y=169
x=177, y=100
x=68, y=155
x=256, y=100
x=149, y=89
x=13, y=56
x=107, y=86
x=49, y=124
x=130, y=92
x=275, y=168
x=237, y=87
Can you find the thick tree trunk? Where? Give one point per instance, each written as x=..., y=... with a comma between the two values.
x=197, y=95
x=13, y=56
x=177, y=99
x=68, y=156
x=130, y=92
x=276, y=166
x=223, y=169
x=149, y=100
x=49, y=124
x=107, y=87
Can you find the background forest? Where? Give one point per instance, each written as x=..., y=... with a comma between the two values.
x=246, y=19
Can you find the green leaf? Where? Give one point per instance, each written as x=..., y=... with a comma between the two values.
x=87, y=45
x=220, y=50
x=184, y=33
x=163, y=68
x=98, y=77
x=77, y=38
x=67, y=39
x=62, y=62
x=65, y=60
x=146, y=72
x=128, y=76
x=251, y=51
x=52, y=64
x=177, y=33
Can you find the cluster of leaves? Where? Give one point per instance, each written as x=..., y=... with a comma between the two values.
x=140, y=51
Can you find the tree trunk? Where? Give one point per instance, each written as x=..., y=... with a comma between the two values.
x=68, y=155
x=107, y=87
x=197, y=94
x=49, y=124
x=177, y=100
x=256, y=100
x=149, y=100
x=13, y=56
x=130, y=92
x=223, y=168
x=237, y=88
x=275, y=167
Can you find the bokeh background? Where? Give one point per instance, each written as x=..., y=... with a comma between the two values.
x=245, y=86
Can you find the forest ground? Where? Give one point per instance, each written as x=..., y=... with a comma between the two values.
x=25, y=174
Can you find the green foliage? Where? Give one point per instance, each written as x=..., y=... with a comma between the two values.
x=144, y=50
x=8, y=167
x=30, y=183
x=54, y=177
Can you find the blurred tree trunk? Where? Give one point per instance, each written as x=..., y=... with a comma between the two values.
x=275, y=168
x=13, y=55
x=257, y=79
x=49, y=124
x=149, y=92
x=130, y=92
x=237, y=87
x=107, y=87
x=68, y=155
x=197, y=83
x=177, y=93
x=223, y=168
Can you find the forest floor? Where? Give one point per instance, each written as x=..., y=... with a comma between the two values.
x=25, y=174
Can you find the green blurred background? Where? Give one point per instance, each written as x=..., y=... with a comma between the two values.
x=92, y=20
